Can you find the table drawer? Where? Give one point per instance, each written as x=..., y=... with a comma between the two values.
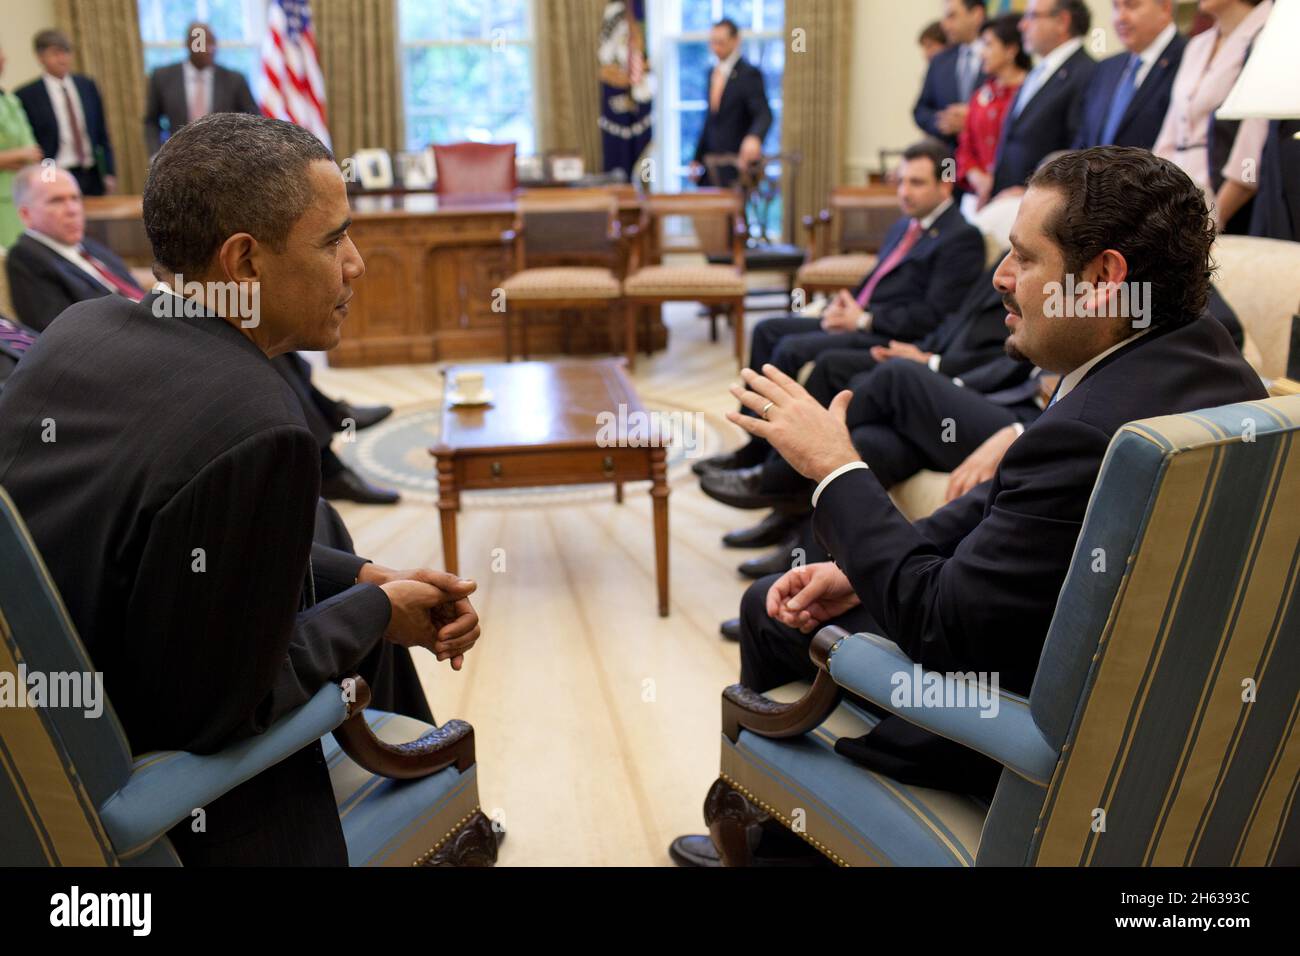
x=555, y=467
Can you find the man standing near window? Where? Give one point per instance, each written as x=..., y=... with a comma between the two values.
x=193, y=88
x=67, y=117
x=739, y=116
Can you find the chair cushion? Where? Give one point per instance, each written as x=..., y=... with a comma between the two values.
x=685, y=282
x=853, y=815
x=562, y=283
x=397, y=822
x=844, y=271
x=921, y=495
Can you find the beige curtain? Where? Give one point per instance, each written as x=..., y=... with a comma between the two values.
x=359, y=58
x=568, y=78
x=106, y=37
x=815, y=101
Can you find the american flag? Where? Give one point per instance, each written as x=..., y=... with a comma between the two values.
x=294, y=88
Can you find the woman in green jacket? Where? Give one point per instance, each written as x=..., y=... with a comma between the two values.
x=17, y=149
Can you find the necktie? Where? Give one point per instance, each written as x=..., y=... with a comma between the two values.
x=1028, y=89
x=78, y=144
x=1120, y=101
x=891, y=262
x=966, y=73
x=716, y=85
x=198, y=96
x=14, y=336
x=128, y=289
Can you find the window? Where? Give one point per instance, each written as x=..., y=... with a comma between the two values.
x=467, y=72
x=679, y=31
x=237, y=24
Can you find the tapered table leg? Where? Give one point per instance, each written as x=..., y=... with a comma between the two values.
x=448, y=505
x=659, y=494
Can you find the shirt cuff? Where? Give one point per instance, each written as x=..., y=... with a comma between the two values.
x=1019, y=427
x=835, y=474
x=934, y=361
x=864, y=322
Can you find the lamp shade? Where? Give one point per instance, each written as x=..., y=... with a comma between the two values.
x=1269, y=85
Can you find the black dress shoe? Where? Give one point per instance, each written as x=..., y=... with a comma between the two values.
x=694, y=850
x=741, y=489
x=744, y=457
x=773, y=529
x=347, y=485
x=730, y=629
x=774, y=562
x=363, y=416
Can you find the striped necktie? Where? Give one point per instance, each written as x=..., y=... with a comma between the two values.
x=15, y=336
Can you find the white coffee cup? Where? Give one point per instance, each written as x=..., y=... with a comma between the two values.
x=468, y=385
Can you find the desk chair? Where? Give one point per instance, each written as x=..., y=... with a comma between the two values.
x=474, y=168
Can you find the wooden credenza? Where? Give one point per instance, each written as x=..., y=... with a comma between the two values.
x=431, y=267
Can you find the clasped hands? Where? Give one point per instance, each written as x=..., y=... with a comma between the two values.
x=431, y=609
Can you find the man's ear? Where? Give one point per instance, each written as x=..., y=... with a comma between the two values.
x=237, y=259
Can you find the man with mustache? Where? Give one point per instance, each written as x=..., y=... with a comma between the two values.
x=974, y=586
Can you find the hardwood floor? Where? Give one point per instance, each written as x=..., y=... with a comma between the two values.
x=597, y=722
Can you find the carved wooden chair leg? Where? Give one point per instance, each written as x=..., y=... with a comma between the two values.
x=732, y=819
x=474, y=843
x=713, y=323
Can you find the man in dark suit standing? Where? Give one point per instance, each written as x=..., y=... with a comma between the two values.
x=177, y=504
x=954, y=74
x=930, y=259
x=1126, y=102
x=738, y=116
x=193, y=88
x=1048, y=110
x=974, y=586
x=67, y=117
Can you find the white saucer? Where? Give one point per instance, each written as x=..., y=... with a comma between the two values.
x=456, y=399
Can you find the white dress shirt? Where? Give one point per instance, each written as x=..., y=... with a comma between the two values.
x=202, y=79
x=1045, y=70
x=1153, y=52
x=67, y=157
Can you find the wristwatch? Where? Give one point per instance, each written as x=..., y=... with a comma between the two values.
x=864, y=321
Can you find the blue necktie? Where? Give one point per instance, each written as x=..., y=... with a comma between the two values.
x=1120, y=101
x=965, y=73
x=1028, y=89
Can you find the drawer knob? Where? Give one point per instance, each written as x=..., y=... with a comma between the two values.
x=608, y=465
x=496, y=469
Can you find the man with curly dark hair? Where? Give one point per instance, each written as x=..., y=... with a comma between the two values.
x=1106, y=286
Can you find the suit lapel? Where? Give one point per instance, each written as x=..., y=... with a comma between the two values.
x=1148, y=87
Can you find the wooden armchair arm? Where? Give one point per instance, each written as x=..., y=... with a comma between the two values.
x=744, y=708
x=739, y=235
x=633, y=242
x=452, y=743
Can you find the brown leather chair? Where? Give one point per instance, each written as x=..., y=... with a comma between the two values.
x=844, y=237
x=469, y=168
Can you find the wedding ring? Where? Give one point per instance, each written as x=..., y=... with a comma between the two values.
x=763, y=413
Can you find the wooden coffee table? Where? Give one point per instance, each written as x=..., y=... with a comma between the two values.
x=541, y=428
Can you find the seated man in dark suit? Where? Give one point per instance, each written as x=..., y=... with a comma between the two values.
x=974, y=586
x=954, y=74
x=930, y=259
x=968, y=338
x=66, y=113
x=176, y=509
x=1126, y=101
x=193, y=88
x=738, y=116
x=1048, y=110
x=55, y=264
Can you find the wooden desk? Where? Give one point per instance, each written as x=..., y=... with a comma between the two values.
x=544, y=428
x=431, y=267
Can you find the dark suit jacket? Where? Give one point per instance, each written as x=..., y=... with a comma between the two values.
x=975, y=333
x=1049, y=122
x=176, y=434
x=1141, y=122
x=742, y=112
x=932, y=279
x=166, y=97
x=1277, y=204
x=42, y=283
x=45, y=123
x=974, y=586
x=939, y=91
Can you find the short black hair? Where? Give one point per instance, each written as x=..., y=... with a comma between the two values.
x=936, y=151
x=972, y=4
x=729, y=24
x=1007, y=30
x=224, y=174
x=1126, y=198
x=933, y=33
x=1080, y=15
